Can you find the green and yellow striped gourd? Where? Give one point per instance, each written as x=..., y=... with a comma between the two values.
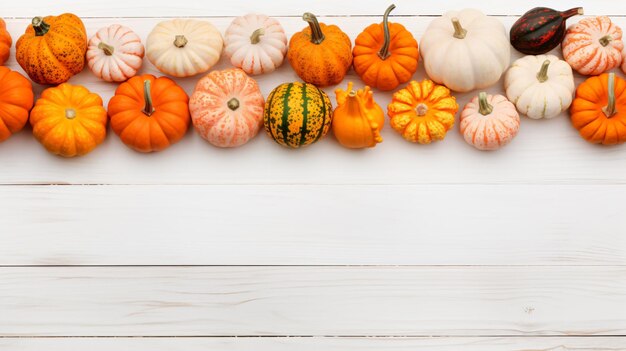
x=297, y=114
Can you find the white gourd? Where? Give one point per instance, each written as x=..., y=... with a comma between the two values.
x=255, y=43
x=184, y=47
x=115, y=53
x=465, y=50
x=540, y=86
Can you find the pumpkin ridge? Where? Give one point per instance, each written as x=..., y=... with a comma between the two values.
x=285, y=117
x=305, y=112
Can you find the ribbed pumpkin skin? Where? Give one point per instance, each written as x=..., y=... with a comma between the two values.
x=5, y=42
x=16, y=100
x=540, y=30
x=297, y=114
x=56, y=56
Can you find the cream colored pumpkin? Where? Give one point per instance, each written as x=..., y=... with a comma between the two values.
x=227, y=108
x=489, y=122
x=593, y=45
x=115, y=53
x=540, y=86
x=255, y=43
x=465, y=50
x=184, y=47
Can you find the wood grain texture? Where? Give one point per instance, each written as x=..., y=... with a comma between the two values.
x=317, y=343
x=312, y=225
x=312, y=301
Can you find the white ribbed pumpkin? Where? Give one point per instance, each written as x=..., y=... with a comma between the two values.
x=115, y=53
x=540, y=86
x=255, y=43
x=184, y=47
x=489, y=122
x=465, y=50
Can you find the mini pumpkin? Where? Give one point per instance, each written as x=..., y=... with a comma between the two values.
x=69, y=120
x=53, y=48
x=320, y=54
x=489, y=122
x=255, y=43
x=297, y=114
x=148, y=113
x=5, y=42
x=16, y=100
x=115, y=53
x=184, y=47
x=386, y=54
x=465, y=50
x=227, y=108
x=593, y=45
x=357, y=119
x=599, y=110
x=422, y=112
x=541, y=86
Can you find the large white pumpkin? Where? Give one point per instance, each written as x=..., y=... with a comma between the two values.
x=465, y=50
x=540, y=86
x=184, y=47
x=255, y=43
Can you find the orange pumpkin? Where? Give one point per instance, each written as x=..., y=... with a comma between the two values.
x=385, y=54
x=69, y=120
x=53, y=48
x=599, y=110
x=5, y=42
x=16, y=100
x=422, y=112
x=148, y=113
x=357, y=120
x=320, y=54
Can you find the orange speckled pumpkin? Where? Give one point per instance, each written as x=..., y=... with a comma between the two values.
x=148, y=113
x=53, y=48
x=358, y=119
x=385, y=54
x=5, y=42
x=320, y=54
x=422, y=112
x=69, y=120
x=599, y=109
x=16, y=100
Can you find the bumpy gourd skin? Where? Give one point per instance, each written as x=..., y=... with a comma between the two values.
x=358, y=119
x=57, y=55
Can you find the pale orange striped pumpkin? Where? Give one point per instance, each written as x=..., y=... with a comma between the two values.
x=593, y=45
x=489, y=122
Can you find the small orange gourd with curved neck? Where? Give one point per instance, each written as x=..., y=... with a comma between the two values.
x=358, y=119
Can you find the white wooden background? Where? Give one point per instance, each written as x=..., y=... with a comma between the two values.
x=402, y=247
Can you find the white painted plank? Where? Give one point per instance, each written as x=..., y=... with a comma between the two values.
x=544, y=152
x=312, y=301
x=312, y=225
x=316, y=344
x=147, y=8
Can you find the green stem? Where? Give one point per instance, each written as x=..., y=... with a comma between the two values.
x=180, y=41
x=605, y=40
x=148, y=109
x=255, y=38
x=233, y=104
x=483, y=105
x=384, y=51
x=41, y=27
x=609, y=109
x=459, y=32
x=108, y=49
x=542, y=75
x=317, y=36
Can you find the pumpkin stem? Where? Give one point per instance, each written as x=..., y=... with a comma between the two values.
x=605, y=40
x=483, y=105
x=317, y=36
x=180, y=41
x=70, y=113
x=108, y=49
x=542, y=75
x=572, y=12
x=384, y=50
x=255, y=38
x=609, y=109
x=233, y=104
x=148, y=109
x=421, y=109
x=41, y=27
x=459, y=32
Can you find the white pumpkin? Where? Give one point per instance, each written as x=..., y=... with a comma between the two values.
x=184, y=47
x=115, y=53
x=255, y=43
x=540, y=86
x=465, y=50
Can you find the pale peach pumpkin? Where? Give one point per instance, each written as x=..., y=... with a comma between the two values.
x=115, y=53
x=593, y=45
x=489, y=122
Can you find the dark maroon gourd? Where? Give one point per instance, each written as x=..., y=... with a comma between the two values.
x=540, y=29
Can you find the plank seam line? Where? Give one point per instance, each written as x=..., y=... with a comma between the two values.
x=289, y=16
x=313, y=336
x=316, y=266
x=596, y=182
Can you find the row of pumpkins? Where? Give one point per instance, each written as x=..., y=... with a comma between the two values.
x=462, y=51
